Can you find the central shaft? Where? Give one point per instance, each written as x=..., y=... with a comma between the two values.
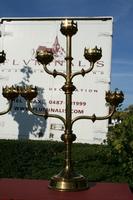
x=68, y=179
x=68, y=85
x=68, y=88
x=68, y=92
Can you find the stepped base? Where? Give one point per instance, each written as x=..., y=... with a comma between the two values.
x=77, y=183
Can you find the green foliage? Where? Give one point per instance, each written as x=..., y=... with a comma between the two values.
x=43, y=159
x=129, y=109
x=27, y=159
x=120, y=142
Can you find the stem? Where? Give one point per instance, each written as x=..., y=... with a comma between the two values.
x=68, y=92
x=54, y=73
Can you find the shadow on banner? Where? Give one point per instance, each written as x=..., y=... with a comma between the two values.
x=29, y=124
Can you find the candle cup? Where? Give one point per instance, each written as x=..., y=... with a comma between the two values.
x=44, y=56
x=93, y=55
x=10, y=92
x=68, y=27
x=28, y=92
x=114, y=98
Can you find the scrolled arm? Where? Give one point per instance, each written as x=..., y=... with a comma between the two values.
x=94, y=117
x=32, y=110
x=83, y=71
x=58, y=117
x=54, y=73
x=92, y=55
x=45, y=56
x=45, y=114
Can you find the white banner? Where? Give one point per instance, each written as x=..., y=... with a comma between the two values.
x=20, y=38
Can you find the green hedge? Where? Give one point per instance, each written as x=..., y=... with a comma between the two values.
x=43, y=159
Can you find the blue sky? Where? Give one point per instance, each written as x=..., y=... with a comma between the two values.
x=122, y=12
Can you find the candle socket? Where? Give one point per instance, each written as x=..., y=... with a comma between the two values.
x=114, y=98
x=68, y=27
x=28, y=92
x=93, y=54
x=10, y=92
x=44, y=56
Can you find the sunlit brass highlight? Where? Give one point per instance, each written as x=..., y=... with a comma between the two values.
x=76, y=183
x=68, y=27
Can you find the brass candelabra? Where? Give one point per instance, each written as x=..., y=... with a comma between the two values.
x=68, y=179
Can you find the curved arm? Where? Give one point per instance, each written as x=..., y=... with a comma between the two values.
x=58, y=117
x=45, y=115
x=94, y=117
x=35, y=113
x=82, y=71
x=8, y=109
x=54, y=73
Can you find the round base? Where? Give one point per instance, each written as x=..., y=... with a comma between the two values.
x=73, y=184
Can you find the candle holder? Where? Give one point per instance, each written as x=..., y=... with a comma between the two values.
x=67, y=179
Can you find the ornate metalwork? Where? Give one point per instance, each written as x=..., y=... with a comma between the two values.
x=68, y=179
